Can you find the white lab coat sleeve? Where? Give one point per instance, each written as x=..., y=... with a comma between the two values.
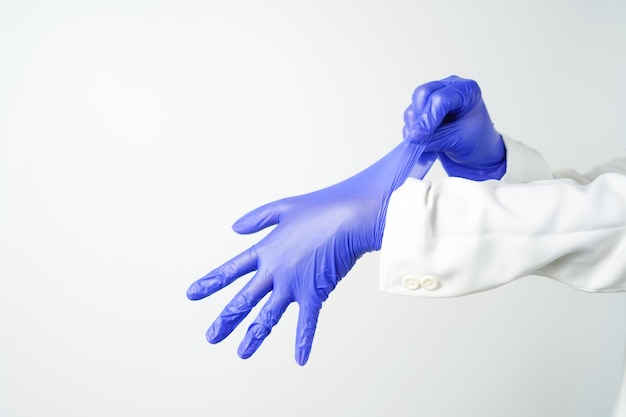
x=455, y=237
x=524, y=164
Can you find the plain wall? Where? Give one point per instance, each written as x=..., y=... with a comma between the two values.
x=134, y=133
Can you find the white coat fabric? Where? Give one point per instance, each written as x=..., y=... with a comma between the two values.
x=454, y=237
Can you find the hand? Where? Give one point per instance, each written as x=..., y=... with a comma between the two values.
x=451, y=114
x=317, y=240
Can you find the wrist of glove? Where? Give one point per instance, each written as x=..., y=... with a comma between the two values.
x=478, y=169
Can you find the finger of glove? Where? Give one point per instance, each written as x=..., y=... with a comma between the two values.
x=238, y=308
x=440, y=104
x=260, y=218
x=422, y=93
x=268, y=317
x=220, y=277
x=307, y=323
x=418, y=101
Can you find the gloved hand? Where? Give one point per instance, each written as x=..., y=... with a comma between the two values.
x=317, y=240
x=452, y=115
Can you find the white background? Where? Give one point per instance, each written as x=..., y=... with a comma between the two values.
x=134, y=133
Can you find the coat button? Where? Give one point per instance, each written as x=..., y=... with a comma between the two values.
x=429, y=282
x=411, y=283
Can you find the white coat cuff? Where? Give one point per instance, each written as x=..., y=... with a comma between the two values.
x=406, y=216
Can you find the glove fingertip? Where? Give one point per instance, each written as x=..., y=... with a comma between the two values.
x=305, y=342
x=198, y=291
x=242, y=353
x=244, y=226
x=214, y=336
x=255, y=335
x=205, y=286
x=257, y=219
x=302, y=356
x=192, y=293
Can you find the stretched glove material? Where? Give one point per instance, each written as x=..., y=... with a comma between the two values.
x=452, y=115
x=317, y=239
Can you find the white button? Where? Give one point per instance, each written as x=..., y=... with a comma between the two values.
x=429, y=282
x=411, y=283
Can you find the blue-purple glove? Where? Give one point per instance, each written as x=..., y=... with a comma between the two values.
x=451, y=114
x=317, y=239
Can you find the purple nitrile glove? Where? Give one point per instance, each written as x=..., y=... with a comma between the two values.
x=451, y=113
x=317, y=239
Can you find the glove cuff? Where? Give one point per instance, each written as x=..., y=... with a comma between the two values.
x=493, y=172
